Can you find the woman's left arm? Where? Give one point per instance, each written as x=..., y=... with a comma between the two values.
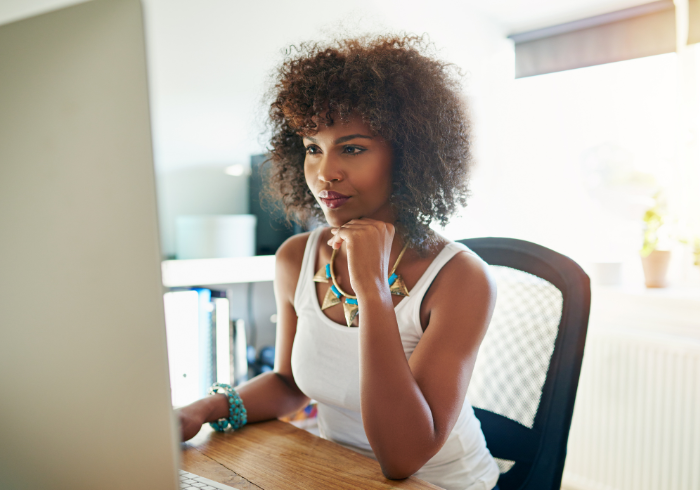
x=409, y=408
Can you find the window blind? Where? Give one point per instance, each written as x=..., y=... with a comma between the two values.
x=645, y=30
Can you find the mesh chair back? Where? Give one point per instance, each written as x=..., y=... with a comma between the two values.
x=525, y=378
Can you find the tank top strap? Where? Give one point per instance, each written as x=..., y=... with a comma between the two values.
x=307, y=265
x=423, y=284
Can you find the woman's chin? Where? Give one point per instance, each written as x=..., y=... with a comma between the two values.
x=335, y=219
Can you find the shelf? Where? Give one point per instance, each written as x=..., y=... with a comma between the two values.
x=205, y=272
x=673, y=311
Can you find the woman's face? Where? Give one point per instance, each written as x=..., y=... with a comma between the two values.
x=349, y=172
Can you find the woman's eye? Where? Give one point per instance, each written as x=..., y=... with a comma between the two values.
x=311, y=150
x=353, y=150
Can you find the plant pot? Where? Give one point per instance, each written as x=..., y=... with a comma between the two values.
x=655, y=267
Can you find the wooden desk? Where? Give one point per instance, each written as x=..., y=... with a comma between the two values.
x=277, y=455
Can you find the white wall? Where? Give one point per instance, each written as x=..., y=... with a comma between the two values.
x=210, y=62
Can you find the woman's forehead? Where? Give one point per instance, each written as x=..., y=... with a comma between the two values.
x=339, y=127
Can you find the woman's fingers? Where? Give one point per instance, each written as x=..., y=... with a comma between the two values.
x=348, y=230
x=335, y=242
x=340, y=234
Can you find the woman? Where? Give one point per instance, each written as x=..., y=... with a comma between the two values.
x=379, y=318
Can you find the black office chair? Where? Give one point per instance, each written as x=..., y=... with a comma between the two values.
x=525, y=379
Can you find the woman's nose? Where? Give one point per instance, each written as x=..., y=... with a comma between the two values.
x=329, y=169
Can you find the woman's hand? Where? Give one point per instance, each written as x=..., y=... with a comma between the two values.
x=194, y=415
x=191, y=421
x=368, y=244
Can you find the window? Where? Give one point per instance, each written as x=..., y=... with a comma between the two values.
x=584, y=151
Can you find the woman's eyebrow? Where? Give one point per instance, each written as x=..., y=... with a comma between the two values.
x=349, y=137
x=342, y=139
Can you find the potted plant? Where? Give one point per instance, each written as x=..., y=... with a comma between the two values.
x=654, y=261
x=696, y=251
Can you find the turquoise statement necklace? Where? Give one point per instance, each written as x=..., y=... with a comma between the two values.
x=350, y=307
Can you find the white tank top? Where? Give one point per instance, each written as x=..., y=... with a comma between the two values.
x=325, y=364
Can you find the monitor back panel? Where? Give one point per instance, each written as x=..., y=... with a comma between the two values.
x=84, y=392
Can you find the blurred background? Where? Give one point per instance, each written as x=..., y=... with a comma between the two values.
x=568, y=155
x=601, y=117
x=587, y=124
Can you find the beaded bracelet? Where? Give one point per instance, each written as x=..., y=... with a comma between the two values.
x=238, y=416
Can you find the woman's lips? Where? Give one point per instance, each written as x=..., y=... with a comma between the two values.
x=332, y=199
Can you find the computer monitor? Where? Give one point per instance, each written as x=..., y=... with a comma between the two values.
x=272, y=228
x=84, y=391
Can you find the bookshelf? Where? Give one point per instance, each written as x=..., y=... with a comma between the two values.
x=209, y=272
x=207, y=339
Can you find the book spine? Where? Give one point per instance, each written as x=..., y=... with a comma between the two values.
x=206, y=336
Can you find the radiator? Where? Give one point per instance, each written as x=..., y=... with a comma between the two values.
x=636, y=423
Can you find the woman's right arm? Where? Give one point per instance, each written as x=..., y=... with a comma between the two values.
x=273, y=394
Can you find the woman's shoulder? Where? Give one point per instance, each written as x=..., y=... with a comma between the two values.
x=463, y=286
x=463, y=267
x=466, y=264
x=288, y=259
x=455, y=263
x=292, y=249
x=291, y=252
